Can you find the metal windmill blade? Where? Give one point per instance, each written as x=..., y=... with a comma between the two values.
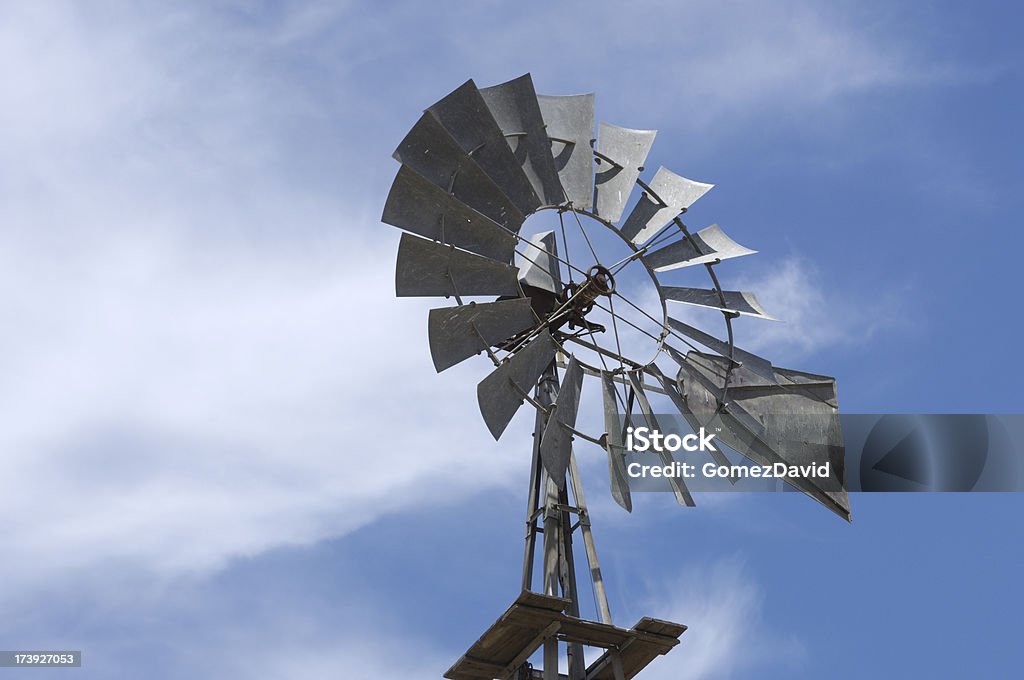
x=620, y=156
x=465, y=115
x=468, y=195
x=476, y=168
x=569, y=122
x=667, y=196
x=791, y=419
x=517, y=112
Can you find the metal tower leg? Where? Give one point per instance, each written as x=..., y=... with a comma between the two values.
x=547, y=390
x=558, y=567
x=588, y=542
x=567, y=574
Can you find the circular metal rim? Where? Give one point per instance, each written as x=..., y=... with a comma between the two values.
x=638, y=365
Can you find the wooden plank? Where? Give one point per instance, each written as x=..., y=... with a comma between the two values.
x=468, y=668
x=634, y=659
x=593, y=633
x=517, y=631
x=521, y=658
x=539, y=601
x=533, y=617
x=643, y=647
x=660, y=627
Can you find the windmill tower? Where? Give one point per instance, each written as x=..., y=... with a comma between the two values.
x=557, y=309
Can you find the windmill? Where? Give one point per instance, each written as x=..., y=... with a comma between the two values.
x=554, y=312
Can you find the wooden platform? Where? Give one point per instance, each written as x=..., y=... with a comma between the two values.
x=532, y=618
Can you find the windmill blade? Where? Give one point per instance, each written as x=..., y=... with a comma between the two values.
x=811, y=381
x=750, y=361
x=570, y=124
x=814, y=386
x=798, y=427
x=466, y=117
x=457, y=333
x=556, y=442
x=417, y=205
x=735, y=301
x=515, y=108
x=676, y=194
x=432, y=152
x=500, y=394
x=705, y=404
x=684, y=410
x=710, y=244
x=683, y=496
x=613, y=182
x=538, y=263
x=428, y=268
x=619, y=480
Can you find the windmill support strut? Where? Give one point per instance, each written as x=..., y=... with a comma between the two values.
x=558, y=566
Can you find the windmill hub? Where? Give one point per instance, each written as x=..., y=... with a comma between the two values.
x=580, y=298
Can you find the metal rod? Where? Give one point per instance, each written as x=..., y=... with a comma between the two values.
x=588, y=542
x=600, y=350
x=567, y=576
x=552, y=536
x=547, y=387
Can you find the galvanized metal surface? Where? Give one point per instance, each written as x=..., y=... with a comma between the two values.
x=614, y=446
x=432, y=152
x=735, y=301
x=570, y=126
x=671, y=390
x=799, y=411
x=417, y=205
x=457, y=333
x=500, y=394
x=683, y=495
x=626, y=151
x=711, y=397
x=538, y=263
x=466, y=117
x=515, y=108
x=748, y=360
x=589, y=546
x=777, y=423
x=672, y=194
x=427, y=268
x=544, y=395
x=707, y=245
x=556, y=444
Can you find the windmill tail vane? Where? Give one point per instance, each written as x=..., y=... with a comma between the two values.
x=474, y=167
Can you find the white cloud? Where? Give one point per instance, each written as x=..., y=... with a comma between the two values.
x=353, y=653
x=723, y=606
x=697, y=65
x=178, y=408
x=811, y=316
x=202, y=357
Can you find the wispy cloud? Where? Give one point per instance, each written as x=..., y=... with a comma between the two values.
x=699, y=65
x=723, y=606
x=812, y=315
x=203, y=357
x=187, y=407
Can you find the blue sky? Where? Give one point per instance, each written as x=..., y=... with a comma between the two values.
x=225, y=449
